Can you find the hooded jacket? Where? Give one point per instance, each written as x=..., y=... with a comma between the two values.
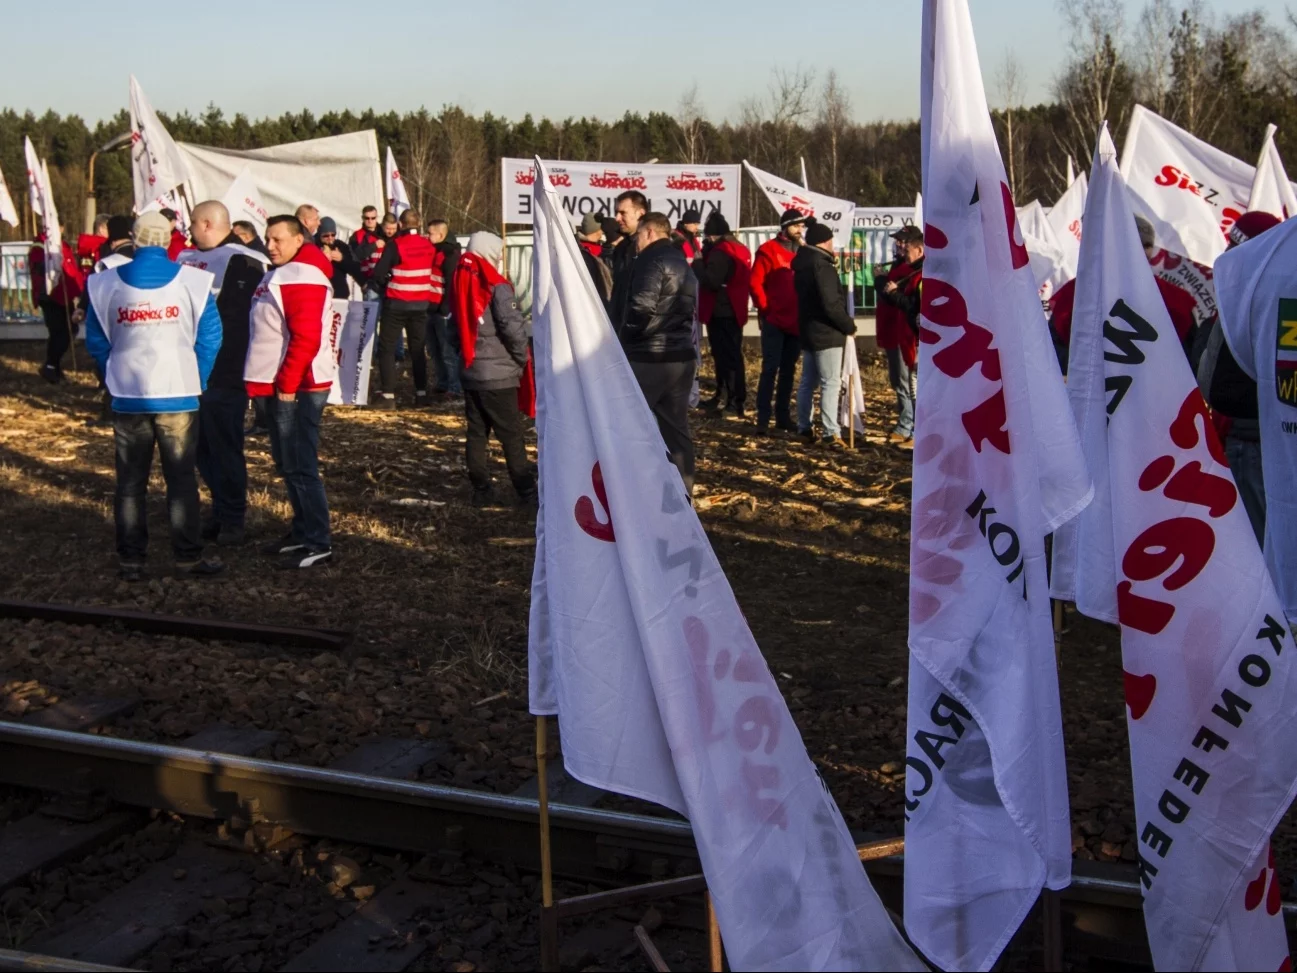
x=822, y=316
x=771, y=283
x=500, y=339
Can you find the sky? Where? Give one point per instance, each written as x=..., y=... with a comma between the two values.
x=558, y=59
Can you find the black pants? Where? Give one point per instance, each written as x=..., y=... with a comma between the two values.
x=60, y=331
x=726, y=339
x=414, y=321
x=496, y=411
x=779, y=354
x=176, y=434
x=221, y=462
x=666, y=387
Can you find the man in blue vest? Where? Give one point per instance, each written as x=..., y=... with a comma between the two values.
x=154, y=330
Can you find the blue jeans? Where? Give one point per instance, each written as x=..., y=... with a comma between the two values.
x=445, y=354
x=295, y=447
x=221, y=462
x=1244, y=459
x=823, y=369
x=176, y=434
x=779, y=353
x=901, y=377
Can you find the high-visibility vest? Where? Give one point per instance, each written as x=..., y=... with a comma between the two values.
x=412, y=278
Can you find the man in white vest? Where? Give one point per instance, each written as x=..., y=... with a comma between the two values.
x=291, y=362
x=236, y=270
x=153, y=329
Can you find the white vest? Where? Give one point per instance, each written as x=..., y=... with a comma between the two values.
x=1256, y=291
x=152, y=332
x=268, y=337
x=217, y=260
x=111, y=261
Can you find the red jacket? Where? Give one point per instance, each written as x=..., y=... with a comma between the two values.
x=88, y=247
x=304, y=320
x=1178, y=303
x=178, y=242
x=891, y=328
x=67, y=288
x=771, y=284
x=736, y=287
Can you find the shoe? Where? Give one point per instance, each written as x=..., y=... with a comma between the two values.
x=385, y=403
x=285, y=545
x=230, y=536
x=806, y=435
x=210, y=531
x=51, y=374
x=785, y=427
x=763, y=429
x=203, y=568
x=420, y=399
x=530, y=499
x=130, y=571
x=834, y=443
x=739, y=412
x=711, y=405
x=483, y=497
x=306, y=557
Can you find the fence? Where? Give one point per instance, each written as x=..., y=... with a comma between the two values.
x=15, y=283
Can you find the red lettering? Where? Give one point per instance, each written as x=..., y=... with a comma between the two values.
x=986, y=423
x=1190, y=485
x=1160, y=547
x=1143, y=614
x=1017, y=250
x=757, y=778
x=1184, y=429
x=1169, y=176
x=756, y=719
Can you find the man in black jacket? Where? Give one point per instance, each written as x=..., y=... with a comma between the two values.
x=824, y=327
x=631, y=207
x=656, y=332
x=445, y=357
x=346, y=267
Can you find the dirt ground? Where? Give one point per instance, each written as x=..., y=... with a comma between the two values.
x=814, y=543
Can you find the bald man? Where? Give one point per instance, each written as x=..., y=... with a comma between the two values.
x=237, y=270
x=309, y=217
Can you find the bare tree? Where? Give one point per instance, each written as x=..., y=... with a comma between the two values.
x=1096, y=85
x=419, y=136
x=1008, y=80
x=835, y=118
x=1195, y=96
x=1153, y=45
x=690, y=118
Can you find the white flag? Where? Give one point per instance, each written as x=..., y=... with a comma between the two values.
x=42, y=199
x=1167, y=551
x=1271, y=191
x=8, y=212
x=243, y=200
x=997, y=466
x=1065, y=218
x=836, y=214
x=397, y=200
x=637, y=643
x=1049, y=263
x=1071, y=172
x=34, y=176
x=806, y=180
x=157, y=166
x=851, y=400
x=918, y=210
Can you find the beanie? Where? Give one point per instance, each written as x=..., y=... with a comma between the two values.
x=691, y=216
x=487, y=246
x=792, y=217
x=1251, y=224
x=716, y=225
x=818, y=233
x=1147, y=235
x=152, y=229
x=327, y=225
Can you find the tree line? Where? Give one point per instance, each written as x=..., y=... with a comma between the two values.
x=1222, y=78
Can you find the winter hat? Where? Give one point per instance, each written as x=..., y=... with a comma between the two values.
x=152, y=229
x=817, y=234
x=119, y=228
x=691, y=216
x=1251, y=224
x=716, y=225
x=327, y=225
x=486, y=245
x=1147, y=236
x=590, y=225
x=790, y=218
x=908, y=234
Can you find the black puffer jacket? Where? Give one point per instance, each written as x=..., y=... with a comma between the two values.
x=662, y=292
x=822, y=317
x=501, y=351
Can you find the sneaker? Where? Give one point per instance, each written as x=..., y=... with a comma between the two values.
x=763, y=429
x=739, y=412
x=785, y=427
x=306, y=557
x=287, y=544
x=385, y=403
x=834, y=443
x=806, y=435
x=51, y=374
x=230, y=536
x=130, y=571
x=420, y=399
x=202, y=568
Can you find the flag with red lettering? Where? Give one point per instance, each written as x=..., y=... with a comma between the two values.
x=636, y=642
x=1271, y=191
x=8, y=212
x=836, y=214
x=243, y=200
x=1167, y=551
x=157, y=166
x=997, y=466
x=42, y=199
x=397, y=199
x=1065, y=218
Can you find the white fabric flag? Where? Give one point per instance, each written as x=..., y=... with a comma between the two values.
x=1271, y=191
x=1071, y=172
x=244, y=202
x=806, y=180
x=997, y=466
x=637, y=643
x=1065, y=218
x=33, y=176
x=918, y=210
x=157, y=166
x=397, y=200
x=1049, y=264
x=1167, y=551
x=8, y=212
x=42, y=199
x=836, y=214
x=851, y=399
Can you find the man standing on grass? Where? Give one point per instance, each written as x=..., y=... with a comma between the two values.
x=824, y=326
x=773, y=293
x=405, y=275
x=441, y=349
x=291, y=364
x=154, y=331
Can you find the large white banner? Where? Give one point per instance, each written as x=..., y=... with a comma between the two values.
x=997, y=466
x=1167, y=551
x=593, y=187
x=836, y=214
x=352, y=336
x=1192, y=192
x=42, y=199
x=1049, y=263
x=243, y=200
x=883, y=217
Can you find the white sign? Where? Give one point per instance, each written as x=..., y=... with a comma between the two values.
x=834, y=213
x=243, y=200
x=354, y=324
x=593, y=187
x=883, y=217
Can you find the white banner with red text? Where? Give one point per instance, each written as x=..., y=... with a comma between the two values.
x=352, y=337
x=836, y=214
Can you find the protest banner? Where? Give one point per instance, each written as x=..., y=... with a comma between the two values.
x=883, y=217
x=354, y=325
x=836, y=214
x=398, y=201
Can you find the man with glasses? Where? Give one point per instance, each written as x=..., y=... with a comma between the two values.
x=368, y=231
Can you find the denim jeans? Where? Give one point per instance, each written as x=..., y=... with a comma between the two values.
x=1244, y=457
x=779, y=354
x=823, y=369
x=176, y=434
x=295, y=448
x=444, y=353
x=901, y=377
x=221, y=462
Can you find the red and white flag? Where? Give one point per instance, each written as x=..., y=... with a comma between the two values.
x=1167, y=552
x=836, y=214
x=243, y=200
x=997, y=466
x=637, y=643
x=42, y=200
x=1271, y=191
x=397, y=200
x=8, y=212
x=157, y=165
x=1065, y=218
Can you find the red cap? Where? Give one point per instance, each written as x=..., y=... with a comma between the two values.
x=1251, y=224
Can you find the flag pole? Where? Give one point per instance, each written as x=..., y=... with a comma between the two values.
x=548, y=918
x=715, y=951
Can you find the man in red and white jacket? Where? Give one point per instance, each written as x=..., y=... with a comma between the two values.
x=291, y=359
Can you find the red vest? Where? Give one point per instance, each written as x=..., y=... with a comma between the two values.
x=412, y=278
x=438, y=277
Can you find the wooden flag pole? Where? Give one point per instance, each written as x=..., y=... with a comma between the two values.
x=714, y=949
x=548, y=917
